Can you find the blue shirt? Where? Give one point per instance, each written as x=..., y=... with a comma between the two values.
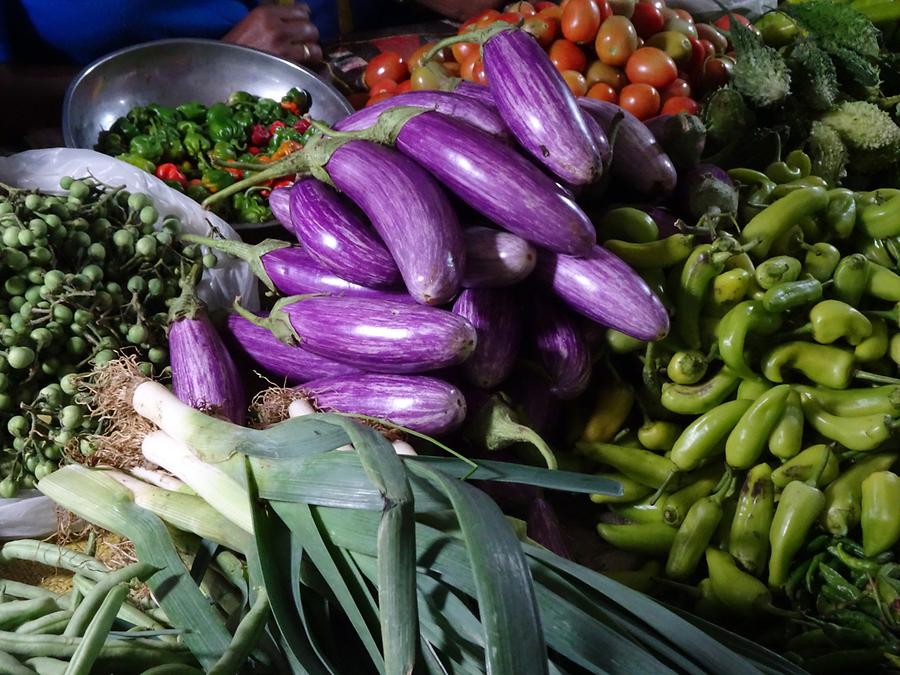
x=79, y=31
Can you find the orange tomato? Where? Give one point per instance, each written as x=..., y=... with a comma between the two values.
x=581, y=20
x=389, y=65
x=463, y=50
x=566, y=55
x=378, y=98
x=478, y=73
x=552, y=11
x=616, y=41
x=545, y=29
x=603, y=92
x=467, y=67
x=415, y=60
x=677, y=104
x=383, y=85
x=576, y=82
x=609, y=75
x=641, y=100
x=649, y=65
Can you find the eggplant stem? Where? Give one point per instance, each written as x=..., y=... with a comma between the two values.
x=294, y=163
x=479, y=37
x=187, y=305
x=326, y=130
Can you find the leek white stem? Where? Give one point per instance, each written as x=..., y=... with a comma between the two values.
x=223, y=493
x=302, y=407
x=160, y=480
x=404, y=448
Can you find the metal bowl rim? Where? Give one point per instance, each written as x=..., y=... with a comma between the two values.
x=88, y=69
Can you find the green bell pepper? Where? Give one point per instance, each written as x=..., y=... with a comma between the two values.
x=147, y=146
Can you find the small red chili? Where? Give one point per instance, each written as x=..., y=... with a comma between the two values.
x=237, y=173
x=253, y=150
x=291, y=107
x=259, y=135
x=284, y=182
x=264, y=193
x=273, y=127
x=169, y=171
x=302, y=125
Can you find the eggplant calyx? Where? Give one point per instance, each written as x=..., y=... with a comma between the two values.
x=278, y=321
x=187, y=305
x=496, y=427
x=384, y=130
x=249, y=253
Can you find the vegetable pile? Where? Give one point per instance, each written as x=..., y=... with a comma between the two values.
x=183, y=145
x=86, y=275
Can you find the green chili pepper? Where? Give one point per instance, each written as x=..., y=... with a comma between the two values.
x=797, y=159
x=778, y=270
x=241, y=98
x=125, y=128
x=631, y=490
x=787, y=436
x=748, y=541
x=266, y=110
x=282, y=134
x=223, y=151
x=192, y=111
x=875, y=346
x=806, y=464
x=880, y=508
x=196, y=144
x=110, y=143
x=652, y=539
x=167, y=116
x=705, y=262
x=799, y=184
x=656, y=280
x=875, y=250
x=859, y=433
x=792, y=294
x=699, y=398
x=696, y=531
x=244, y=118
x=216, y=179
x=197, y=192
x=730, y=287
x=843, y=496
x=659, y=436
x=777, y=219
x=840, y=215
x=883, y=400
x=845, y=590
x=627, y=225
x=707, y=604
x=620, y=343
x=251, y=208
x=782, y=172
x=798, y=509
x=742, y=593
x=832, y=320
x=748, y=439
x=662, y=253
x=748, y=177
x=678, y=503
x=300, y=97
x=881, y=220
x=746, y=317
x=148, y=147
x=789, y=243
x=823, y=364
x=882, y=283
x=851, y=278
x=752, y=388
x=642, y=466
x=644, y=511
x=892, y=244
x=221, y=124
x=642, y=579
x=821, y=260
x=894, y=348
x=138, y=161
x=139, y=116
x=704, y=436
x=687, y=367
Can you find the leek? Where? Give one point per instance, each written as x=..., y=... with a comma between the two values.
x=160, y=479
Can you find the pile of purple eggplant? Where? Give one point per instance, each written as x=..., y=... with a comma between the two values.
x=443, y=256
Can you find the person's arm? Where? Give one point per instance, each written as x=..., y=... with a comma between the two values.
x=35, y=95
x=460, y=9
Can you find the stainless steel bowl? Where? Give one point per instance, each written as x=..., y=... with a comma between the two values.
x=171, y=72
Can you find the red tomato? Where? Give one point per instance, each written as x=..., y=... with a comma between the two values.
x=641, y=100
x=698, y=56
x=603, y=92
x=463, y=50
x=388, y=65
x=724, y=22
x=677, y=104
x=576, y=82
x=609, y=75
x=616, y=41
x=544, y=28
x=509, y=17
x=684, y=14
x=525, y=9
x=383, y=85
x=581, y=20
x=566, y=55
x=487, y=17
x=717, y=72
x=403, y=87
x=659, y=4
x=478, y=73
x=649, y=65
x=553, y=11
x=452, y=68
x=541, y=6
x=379, y=98
x=647, y=19
x=709, y=49
x=605, y=10
x=467, y=67
x=678, y=88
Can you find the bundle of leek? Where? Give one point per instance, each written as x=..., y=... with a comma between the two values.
x=414, y=569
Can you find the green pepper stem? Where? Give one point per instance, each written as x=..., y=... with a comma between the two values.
x=875, y=377
x=662, y=488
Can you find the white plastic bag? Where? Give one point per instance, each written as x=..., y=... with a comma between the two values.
x=704, y=9
x=31, y=514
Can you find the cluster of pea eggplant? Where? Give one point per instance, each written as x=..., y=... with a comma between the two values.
x=769, y=412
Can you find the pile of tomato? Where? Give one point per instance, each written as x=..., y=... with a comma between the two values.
x=646, y=57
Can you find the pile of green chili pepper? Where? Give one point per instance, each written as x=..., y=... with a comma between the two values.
x=756, y=462
x=186, y=145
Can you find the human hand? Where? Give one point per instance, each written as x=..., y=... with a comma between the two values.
x=283, y=31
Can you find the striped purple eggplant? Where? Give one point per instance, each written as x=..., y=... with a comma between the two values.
x=262, y=349
x=536, y=406
x=498, y=182
x=494, y=312
x=424, y=404
x=606, y=290
x=544, y=527
x=204, y=375
x=462, y=108
x=638, y=161
x=495, y=258
x=377, y=335
x=280, y=203
x=475, y=91
x=539, y=108
x=561, y=349
x=335, y=234
x=410, y=211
